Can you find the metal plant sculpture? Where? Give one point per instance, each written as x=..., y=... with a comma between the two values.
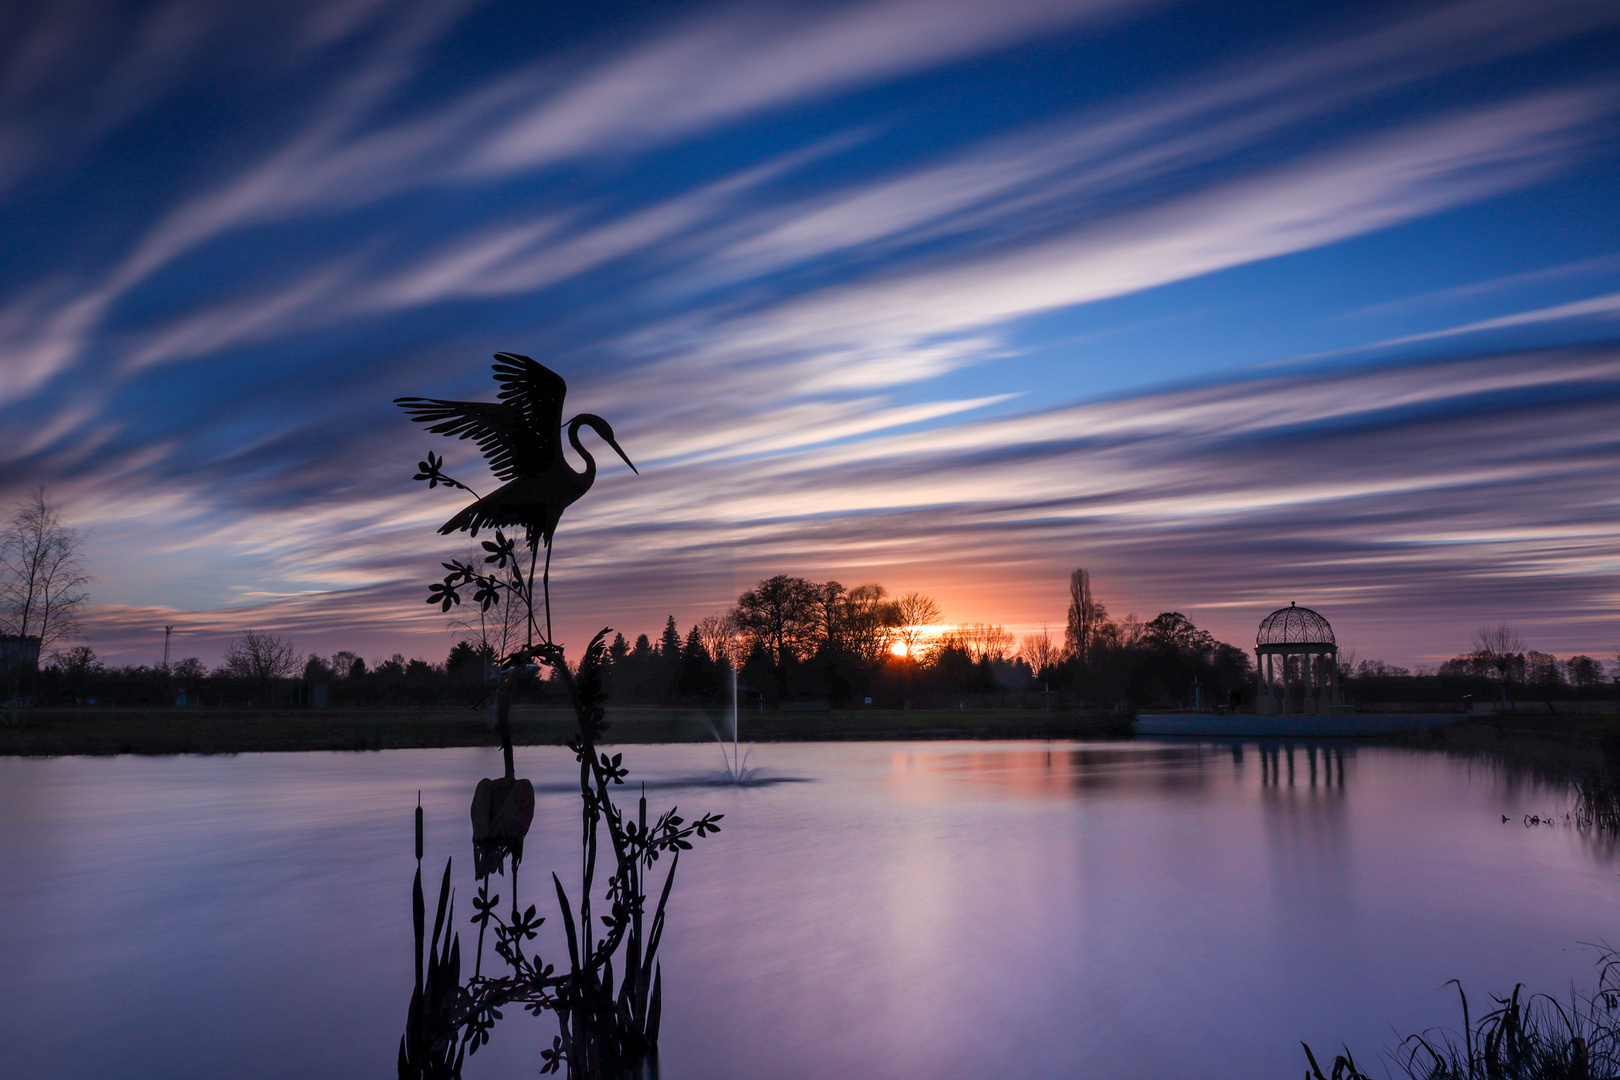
x=608, y=1029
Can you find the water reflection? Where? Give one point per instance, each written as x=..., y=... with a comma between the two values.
x=1275, y=757
x=1060, y=771
x=945, y=909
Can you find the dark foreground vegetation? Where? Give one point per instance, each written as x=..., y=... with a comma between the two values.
x=1521, y=1035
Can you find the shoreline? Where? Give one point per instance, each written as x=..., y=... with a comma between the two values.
x=103, y=732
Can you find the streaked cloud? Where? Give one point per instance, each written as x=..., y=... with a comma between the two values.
x=1411, y=502
x=1603, y=307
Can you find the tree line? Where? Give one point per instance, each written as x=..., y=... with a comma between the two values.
x=792, y=639
x=787, y=639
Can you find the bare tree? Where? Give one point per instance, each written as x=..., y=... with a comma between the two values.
x=913, y=614
x=260, y=658
x=1501, y=647
x=1086, y=614
x=719, y=635
x=1038, y=650
x=42, y=576
x=982, y=640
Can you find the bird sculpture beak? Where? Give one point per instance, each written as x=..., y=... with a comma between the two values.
x=611, y=441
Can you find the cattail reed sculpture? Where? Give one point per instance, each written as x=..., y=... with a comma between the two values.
x=608, y=1016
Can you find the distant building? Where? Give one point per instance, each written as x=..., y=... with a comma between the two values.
x=1296, y=664
x=18, y=652
x=19, y=663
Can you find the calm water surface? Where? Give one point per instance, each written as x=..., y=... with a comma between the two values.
x=907, y=910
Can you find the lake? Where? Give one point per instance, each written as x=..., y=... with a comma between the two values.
x=936, y=909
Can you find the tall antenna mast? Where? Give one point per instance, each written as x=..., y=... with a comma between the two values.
x=167, y=630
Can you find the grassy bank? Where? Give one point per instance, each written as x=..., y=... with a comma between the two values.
x=46, y=732
x=1556, y=746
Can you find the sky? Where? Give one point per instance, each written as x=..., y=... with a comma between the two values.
x=1232, y=304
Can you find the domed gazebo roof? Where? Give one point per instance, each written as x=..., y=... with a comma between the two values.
x=1294, y=625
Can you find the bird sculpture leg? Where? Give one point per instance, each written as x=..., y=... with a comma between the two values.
x=545, y=584
x=532, y=630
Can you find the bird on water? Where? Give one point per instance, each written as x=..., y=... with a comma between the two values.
x=521, y=438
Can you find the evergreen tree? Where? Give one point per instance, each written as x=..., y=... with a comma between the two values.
x=615, y=679
x=697, y=675
x=669, y=661
x=669, y=644
x=640, y=668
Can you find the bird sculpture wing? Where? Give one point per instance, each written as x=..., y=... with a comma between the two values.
x=519, y=435
x=538, y=393
x=493, y=426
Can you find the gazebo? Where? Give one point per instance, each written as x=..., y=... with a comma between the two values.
x=1296, y=664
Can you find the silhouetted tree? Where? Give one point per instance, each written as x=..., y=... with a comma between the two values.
x=669, y=643
x=1039, y=652
x=669, y=659
x=42, y=576
x=260, y=659
x=830, y=610
x=42, y=580
x=718, y=633
x=1543, y=670
x=697, y=673
x=1173, y=630
x=1501, y=647
x=641, y=669
x=76, y=667
x=780, y=614
x=1585, y=673
x=615, y=668
x=983, y=641
x=1086, y=615
x=913, y=614
x=869, y=622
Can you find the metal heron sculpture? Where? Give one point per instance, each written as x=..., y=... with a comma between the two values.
x=521, y=438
